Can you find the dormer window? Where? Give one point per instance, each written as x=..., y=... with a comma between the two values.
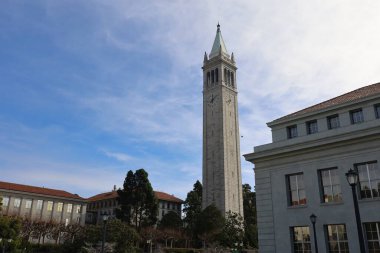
x=356, y=116
x=312, y=127
x=292, y=131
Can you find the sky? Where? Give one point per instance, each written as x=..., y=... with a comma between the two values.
x=92, y=89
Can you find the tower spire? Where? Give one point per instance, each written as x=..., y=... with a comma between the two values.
x=218, y=44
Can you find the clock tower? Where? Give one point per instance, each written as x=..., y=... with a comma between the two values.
x=222, y=183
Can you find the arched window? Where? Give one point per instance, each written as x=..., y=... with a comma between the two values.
x=216, y=75
x=225, y=75
x=229, y=78
x=208, y=78
x=232, y=79
x=212, y=76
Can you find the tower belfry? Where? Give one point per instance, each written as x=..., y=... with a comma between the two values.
x=222, y=183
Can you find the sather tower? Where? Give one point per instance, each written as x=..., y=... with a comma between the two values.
x=221, y=147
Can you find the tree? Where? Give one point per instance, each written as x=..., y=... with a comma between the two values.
x=209, y=224
x=193, y=208
x=170, y=227
x=171, y=220
x=250, y=221
x=233, y=231
x=124, y=236
x=138, y=204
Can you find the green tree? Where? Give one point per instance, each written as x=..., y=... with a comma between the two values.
x=138, y=204
x=233, y=231
x=123, y=235
x=192, y=208
x=171, y=220
x=1, y=203
x=210, y=224
x=250, y=221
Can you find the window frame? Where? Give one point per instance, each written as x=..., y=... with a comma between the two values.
x=40, y=204
x=28, y=203
x=2, y=201
x=293, y=239
x=49, y=206
x=290, y=190
x=310, y=130
x=331, y=117
x=371, y=240
x=353, y=119
x=338, y=241
x=290, y=132
x=359, y=188
x=331, y=185
x=60, y=207
x=69, y=208
x=17, y=204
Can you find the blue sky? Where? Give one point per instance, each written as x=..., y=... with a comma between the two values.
x=92, y=89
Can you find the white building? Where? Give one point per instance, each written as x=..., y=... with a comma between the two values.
x=303, y=172
x=39, y=203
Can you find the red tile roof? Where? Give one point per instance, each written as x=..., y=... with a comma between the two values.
x=113, y=194
x=363, y=92
x=38, y=190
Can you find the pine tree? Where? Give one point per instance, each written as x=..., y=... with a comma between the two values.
x=138, y=205
x=193, y=207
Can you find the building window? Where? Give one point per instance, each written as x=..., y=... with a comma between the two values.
x=208, y=78
x=232, y=79
x=312, y=127
x=5, y=201
x=39, y=204
x=212, y=76
x=333, y=122
x=369, y=180
x=28, y=203
x=372, y=231
x=377, y=111
x=337, y=239
x=301, y=239
x=356, y=116
x=296, y=188
x=331, y=191
x=216, y=75
x=163, y=213
x=292, y=131
x=60, y=207
x=17, y=202
x=78, y=208
x=50, y=206
x=69, y=208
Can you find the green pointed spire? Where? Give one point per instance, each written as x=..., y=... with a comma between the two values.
x=218, y=45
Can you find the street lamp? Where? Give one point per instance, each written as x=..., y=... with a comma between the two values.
x=105, y=218
x=313, y=219
x=352, y=179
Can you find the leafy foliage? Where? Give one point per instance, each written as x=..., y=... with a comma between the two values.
x=233, y=231
x=210, y=224
x=193, y=208
x=171, y=220
x=250, y=219
x=138, y=205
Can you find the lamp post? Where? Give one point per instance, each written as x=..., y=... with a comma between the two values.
x=352, y=179
x=313, y=219
x=105, y=218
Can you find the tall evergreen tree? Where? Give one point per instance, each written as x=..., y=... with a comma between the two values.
x=193, y=207
x=138, y=205
x=250, y=221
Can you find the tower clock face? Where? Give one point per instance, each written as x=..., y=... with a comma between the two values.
x=212, y=99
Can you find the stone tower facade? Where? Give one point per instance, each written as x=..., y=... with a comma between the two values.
x=222, y=183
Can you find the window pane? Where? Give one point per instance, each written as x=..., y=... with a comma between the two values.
x=50, y=205
x=17, y=202
x=301, y=239
x=337, y=238
x=28, y=203
x=5, y=201
x=69, y=208
x=39, y=204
